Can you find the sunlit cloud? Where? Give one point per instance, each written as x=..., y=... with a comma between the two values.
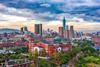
x=83, y=14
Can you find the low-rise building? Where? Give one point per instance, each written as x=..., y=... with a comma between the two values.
x=49, y=48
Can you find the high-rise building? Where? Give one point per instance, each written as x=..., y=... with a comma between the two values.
x=66, y=31
x=61, y=31
x=66, y=34
x=38, y=29
x=25, y=28
x=64, y=23
x=71, y=32
x=21, y=29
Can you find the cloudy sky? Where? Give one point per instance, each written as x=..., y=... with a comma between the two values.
x=83, y=14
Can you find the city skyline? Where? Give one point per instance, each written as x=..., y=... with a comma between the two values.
x=82, y=14
x=49, y=33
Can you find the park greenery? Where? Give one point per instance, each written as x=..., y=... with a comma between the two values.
x=90, y=55
x=83, y=61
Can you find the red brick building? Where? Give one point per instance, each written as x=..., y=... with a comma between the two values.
x=50, y=48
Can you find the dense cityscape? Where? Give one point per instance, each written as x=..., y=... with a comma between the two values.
x=48, y=48
x=49, y=33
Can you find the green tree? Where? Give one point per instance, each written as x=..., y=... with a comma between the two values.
x=21, y=49
x=43, y=63
x=31, y=56
x=35, y=56
x=56, y=58
x=64, y=58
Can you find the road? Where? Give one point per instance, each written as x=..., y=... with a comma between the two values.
x=73, y=61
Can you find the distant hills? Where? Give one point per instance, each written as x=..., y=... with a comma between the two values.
x=8, y=30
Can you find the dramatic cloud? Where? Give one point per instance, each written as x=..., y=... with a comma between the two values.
x=47, y=11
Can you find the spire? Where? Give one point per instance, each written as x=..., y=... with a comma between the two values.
x=64, y=19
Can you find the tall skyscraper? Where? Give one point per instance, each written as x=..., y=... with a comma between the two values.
x=71, y=32
x=61, y=31
x=65, y=30
x=21, y=29
x=66, y=34
x=25, y=28
x=38, y=29
x=64, y=23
